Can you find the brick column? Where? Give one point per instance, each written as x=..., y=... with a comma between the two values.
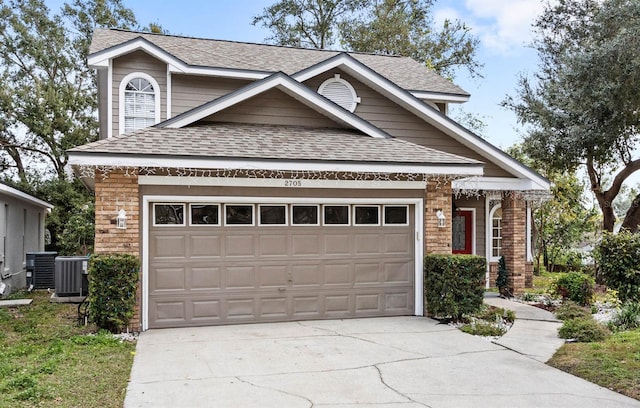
x=437, y=240
x=114, y=191
x=514, y=219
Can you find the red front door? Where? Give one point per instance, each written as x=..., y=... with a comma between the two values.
x=462, y=239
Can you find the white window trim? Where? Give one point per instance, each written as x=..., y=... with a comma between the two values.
x=348, y=224
x=384, y=220
x=123, y=85
x=473, y=227
x=191, y=224
x=184, y=215
x=355, y=99
x=253, y=215
x=418, y=216
x=319, y=216
x=286, y=215
x=367, y=225
x=490, y=234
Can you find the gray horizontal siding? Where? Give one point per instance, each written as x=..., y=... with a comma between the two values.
x=188, y=91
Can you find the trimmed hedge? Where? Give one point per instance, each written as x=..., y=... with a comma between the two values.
x=619, y=257
x=113, y=279
x=453, y=284
x=575, y=286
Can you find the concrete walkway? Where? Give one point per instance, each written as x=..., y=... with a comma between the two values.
x=396, y=362
x=533, y=334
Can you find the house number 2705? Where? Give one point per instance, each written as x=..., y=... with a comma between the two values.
x=293, y=183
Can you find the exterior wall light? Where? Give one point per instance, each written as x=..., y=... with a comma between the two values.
x=441, y=219
x=121, y=220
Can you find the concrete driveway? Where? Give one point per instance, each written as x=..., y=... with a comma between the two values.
x=392, y=362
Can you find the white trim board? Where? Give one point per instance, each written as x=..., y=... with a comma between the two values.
x=12, y=192
x=280, y=183
x=418, y=221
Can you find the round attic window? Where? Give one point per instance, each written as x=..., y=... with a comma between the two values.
x=340, y=92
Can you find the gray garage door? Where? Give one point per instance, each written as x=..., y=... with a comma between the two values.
x=222, y=263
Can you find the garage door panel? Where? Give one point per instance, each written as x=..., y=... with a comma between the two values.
x=338, y=274
x=274, y=307
x=240, y=308
x=306, y=305
x=305, y=275
x=169, y=246
x=338, y=304
x=206, y=246
x=367, y=273
x=205, y=278
x=367, y=244
x=398, y=272
x=369, y=302
x=273, y=276
x=205, y=309
x=337, y=244
x=168, y=279
x=398, y=301
x=240, y=245
x=171, y=311
x=240, y=277
x=273, y=245
x=397, y=243
x=305, y=244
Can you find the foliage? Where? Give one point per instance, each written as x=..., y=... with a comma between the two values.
x=627, y=318
x=583, y=329
x=48, y=360
x=503, y=275
x=613, y=363
x=481, y=328
x=562, y=222
x=618, y=256
x=575, y=286
x=580, y=111
x=570, y=310
x=453, y=284
x=396, y=27
x=113, y=280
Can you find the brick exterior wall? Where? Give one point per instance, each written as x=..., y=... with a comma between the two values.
x=437, y=240
x=528, y=276
x=514, y=240
x=114, y=191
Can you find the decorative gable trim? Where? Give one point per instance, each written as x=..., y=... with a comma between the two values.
x=431, y=115
x=287, y=85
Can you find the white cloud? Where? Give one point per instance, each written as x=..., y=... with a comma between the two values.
x=503, y=24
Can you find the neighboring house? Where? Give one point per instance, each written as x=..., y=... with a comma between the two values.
x=265, y=183
x=21, y=230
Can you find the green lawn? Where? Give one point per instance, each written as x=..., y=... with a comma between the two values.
x=47, y=360
x=613, y=363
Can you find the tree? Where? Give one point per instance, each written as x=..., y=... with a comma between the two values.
x=399, y=27
x=583, y=106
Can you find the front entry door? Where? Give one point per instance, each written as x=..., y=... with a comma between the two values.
x=462, y=239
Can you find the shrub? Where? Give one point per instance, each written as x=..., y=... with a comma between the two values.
x=619, y=257
x=493, y=313
x=480, y=328
x=627, y=318
x=575, y=286
x=113, y=280
x=571, y=310
x=583, y=329
x=502, y=279
x=454, y=284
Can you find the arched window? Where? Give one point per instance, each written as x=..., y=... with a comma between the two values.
x=496, y=232
x=140, y=102
x=340, y=92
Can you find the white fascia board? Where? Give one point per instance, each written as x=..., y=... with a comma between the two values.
x=497, y=184
x=420, y=109
x=12, y=192
x=293, y=89
x=280, y=183
x=80, y=159
x=440, y=97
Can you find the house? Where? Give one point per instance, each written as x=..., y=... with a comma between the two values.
x=22, y=230
x=264, y=183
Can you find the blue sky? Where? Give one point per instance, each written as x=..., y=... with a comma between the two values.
x=503, y=27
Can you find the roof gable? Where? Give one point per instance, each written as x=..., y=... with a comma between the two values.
x=283, y=83
x=15, y=193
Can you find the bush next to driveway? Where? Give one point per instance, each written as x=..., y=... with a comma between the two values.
x=453, y=284
x=113, y=279
x=618, y=255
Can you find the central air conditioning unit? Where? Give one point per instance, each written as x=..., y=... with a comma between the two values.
x=40, y=268
x=71, y=275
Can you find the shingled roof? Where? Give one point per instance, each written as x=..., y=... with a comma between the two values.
x=403, y=71
x=269, y=142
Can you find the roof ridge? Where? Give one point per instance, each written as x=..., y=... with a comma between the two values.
x=252, y=43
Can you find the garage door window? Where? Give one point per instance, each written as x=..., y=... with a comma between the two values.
x=304, y=214
x=168, y=214
x=336, y=215
x=205, y=214
x=396, y=215
x=272, y=215
x=367, y=215
x=238, y=214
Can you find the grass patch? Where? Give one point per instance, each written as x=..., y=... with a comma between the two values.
x=488, y=321
x=46, y=359
x=613, y=363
